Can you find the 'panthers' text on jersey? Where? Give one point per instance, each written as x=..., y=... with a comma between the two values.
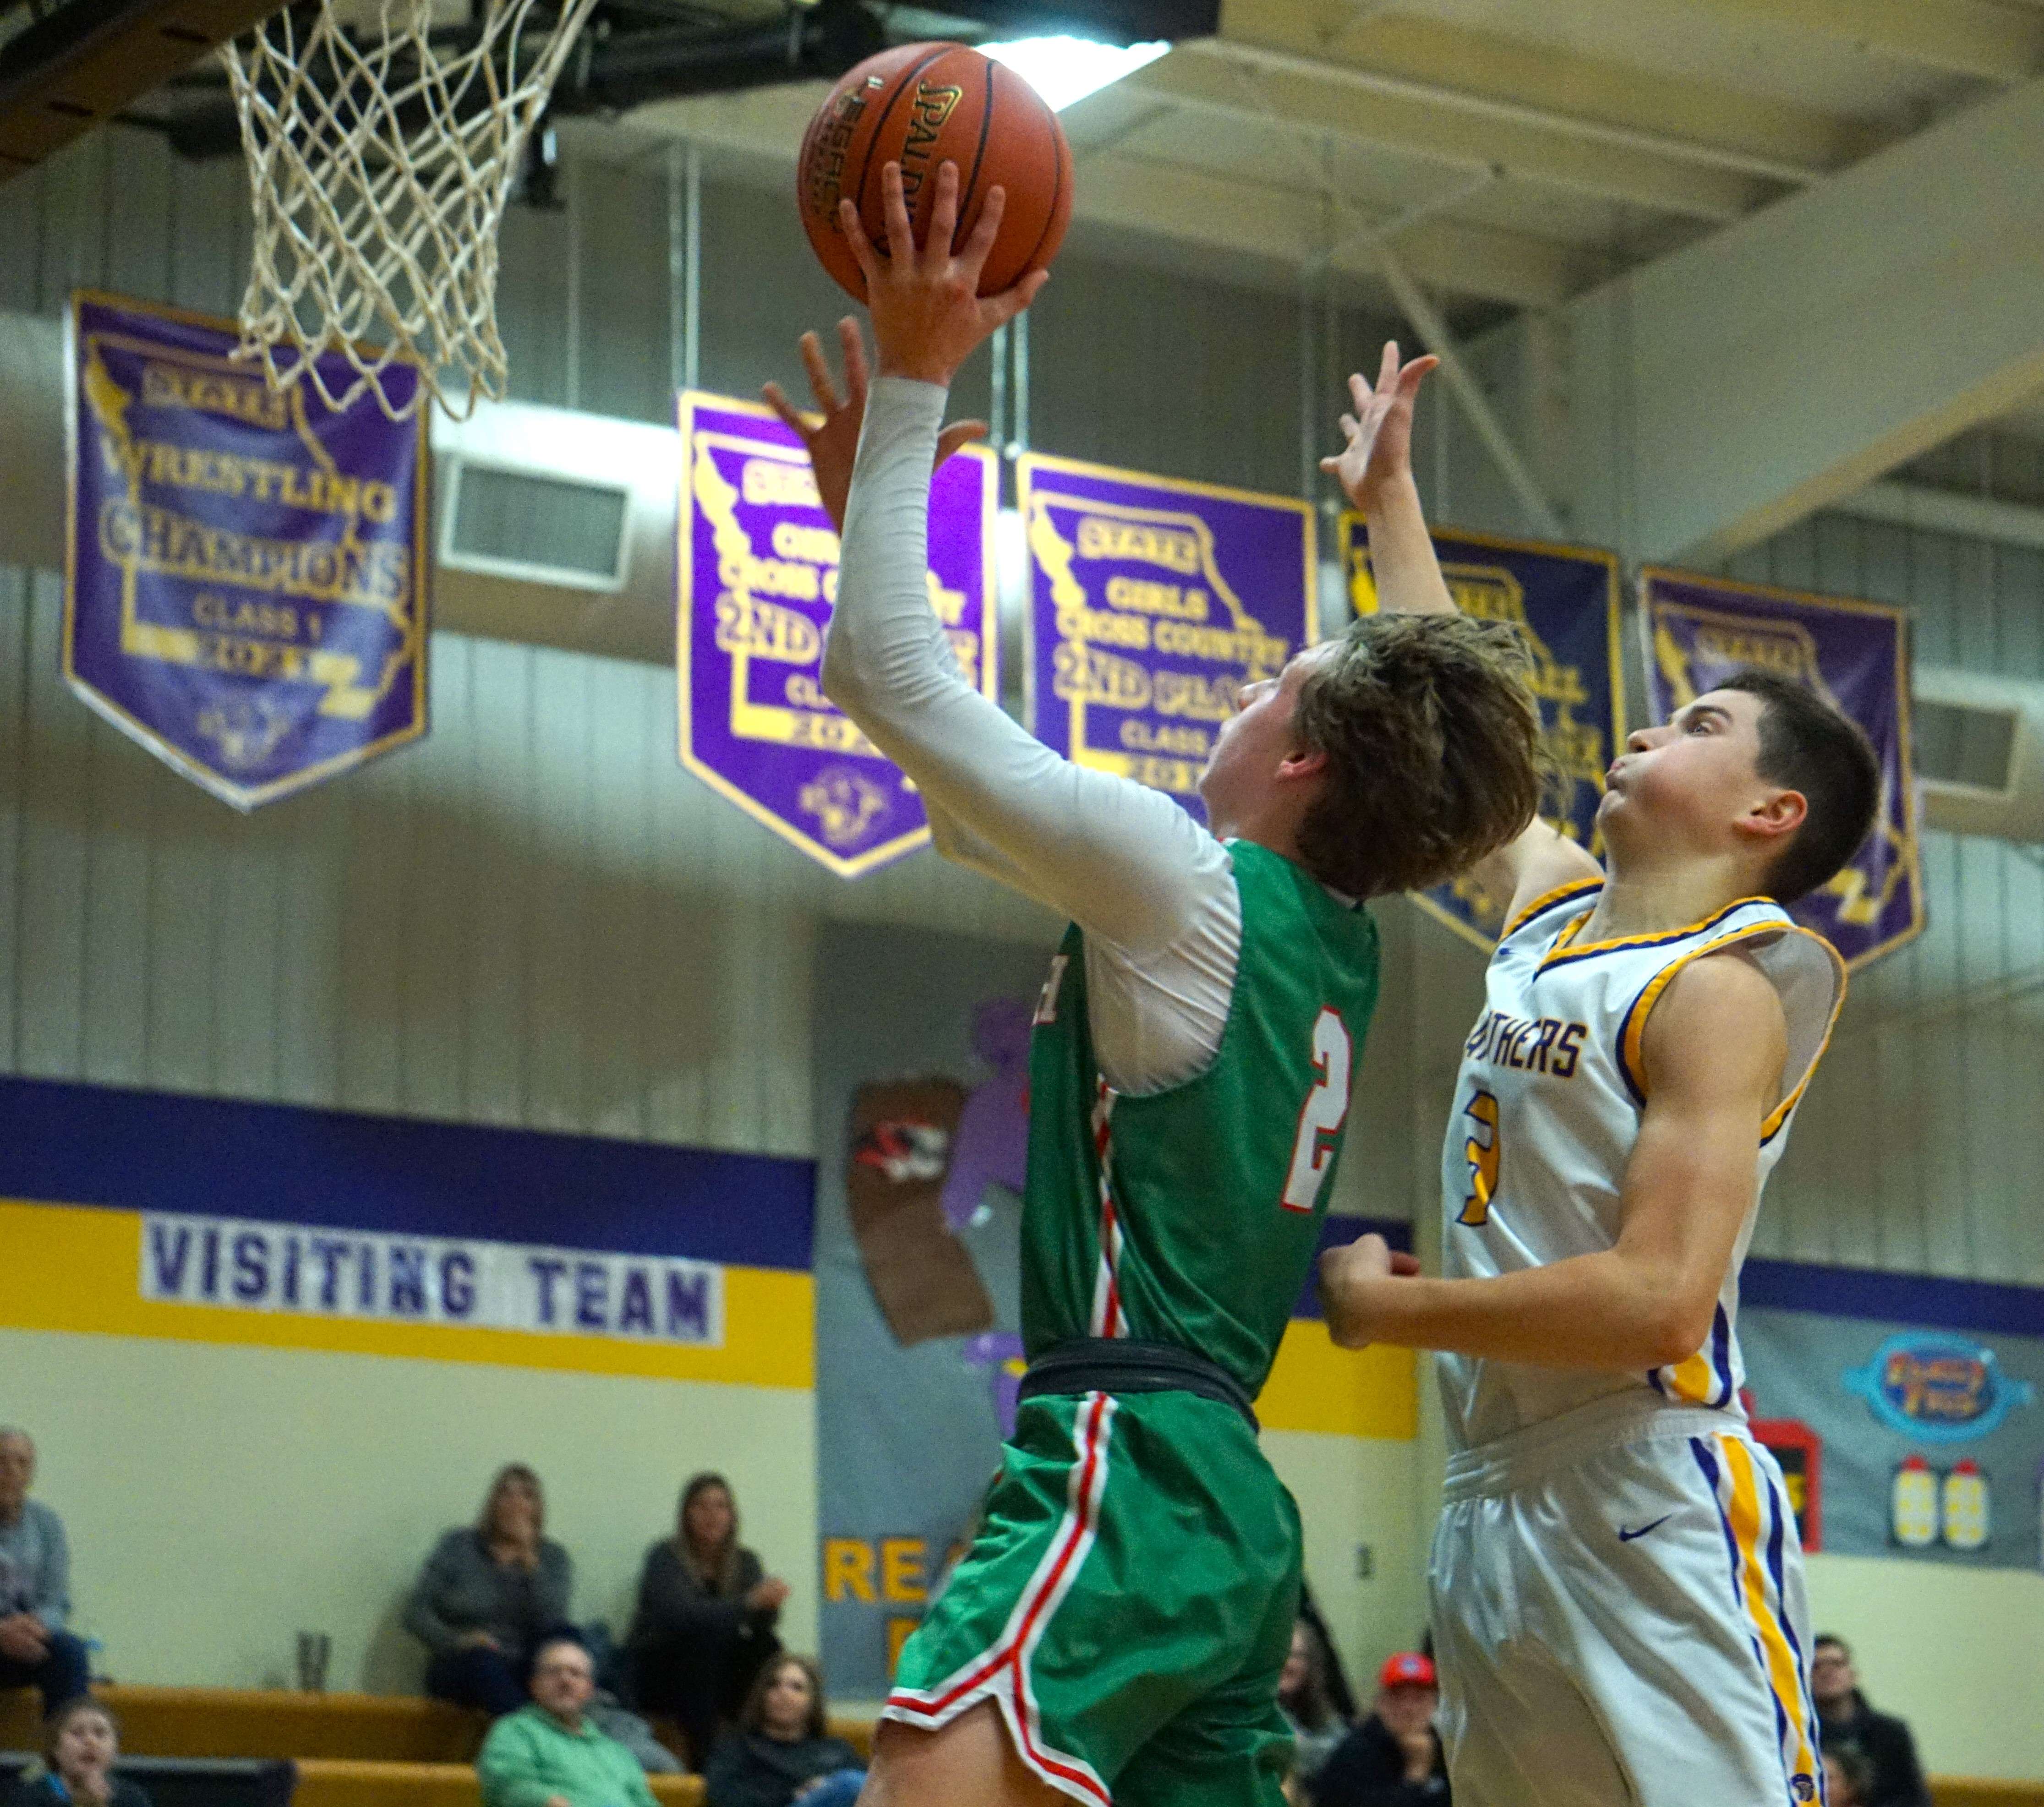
x=1546, y=1111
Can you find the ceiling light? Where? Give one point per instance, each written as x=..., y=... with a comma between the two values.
x=1064, y=70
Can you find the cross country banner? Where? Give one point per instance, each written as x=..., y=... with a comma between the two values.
x=1699, y=630
x=245, y=568
x=1564, y=601
x=756, y=567
x=1152, y=602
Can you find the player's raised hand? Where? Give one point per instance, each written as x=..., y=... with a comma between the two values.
x=928, y=315
x=831, y=434
x=1380, y=431
x=1350, y=1276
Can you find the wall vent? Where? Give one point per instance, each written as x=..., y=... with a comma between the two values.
x=1980, y=753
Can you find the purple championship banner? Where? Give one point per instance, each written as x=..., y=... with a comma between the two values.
x=244, y=569
x=1153, y=601
x=1699, y=630
x=1563, y=599
x=756, y=568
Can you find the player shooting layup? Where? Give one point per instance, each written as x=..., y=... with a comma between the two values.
x=1117, y=1628
x=1617, y=1587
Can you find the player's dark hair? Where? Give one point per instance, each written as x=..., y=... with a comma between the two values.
x=1433, y=744
x=1807, y=746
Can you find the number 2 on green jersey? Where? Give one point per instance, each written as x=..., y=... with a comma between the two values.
x=1321, y=1116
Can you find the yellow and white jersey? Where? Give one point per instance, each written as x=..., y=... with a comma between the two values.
x=1546, y=1110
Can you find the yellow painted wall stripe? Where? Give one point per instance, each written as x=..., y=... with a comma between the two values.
x=78, y=1268
x=1314, y=1386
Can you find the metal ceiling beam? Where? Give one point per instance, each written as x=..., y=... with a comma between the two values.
x=1722, y=127
x=1946, y=511
x=1390, y=112
x=1979, y=38
x=1287, y=226
x=1282, y=226
x=1574, y=131
x=1736, y=386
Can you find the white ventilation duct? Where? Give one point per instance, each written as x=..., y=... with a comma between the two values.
x=1980, y=753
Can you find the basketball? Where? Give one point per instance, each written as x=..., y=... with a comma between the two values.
x=920, y=106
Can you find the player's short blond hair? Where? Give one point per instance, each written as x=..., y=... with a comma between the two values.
x=1433, y=744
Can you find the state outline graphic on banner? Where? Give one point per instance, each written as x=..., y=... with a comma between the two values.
x=1577, y=747
x=848, y=787
x=1856, y=910
x=1086, y=670
x=309, y=617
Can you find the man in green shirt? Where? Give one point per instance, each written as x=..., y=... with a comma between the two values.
x=548, y=1755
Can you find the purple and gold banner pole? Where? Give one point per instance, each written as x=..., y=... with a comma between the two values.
x=757, y=569
x=1699, y=630
x=245, y=569
x=1153, y=601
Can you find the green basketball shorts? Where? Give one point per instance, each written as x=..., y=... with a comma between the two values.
x=1128, y=1604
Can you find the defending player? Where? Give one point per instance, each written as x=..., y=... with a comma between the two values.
x=1617, y=1587
x=1117, y=1627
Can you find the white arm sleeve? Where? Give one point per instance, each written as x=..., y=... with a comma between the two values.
x=1153, y=890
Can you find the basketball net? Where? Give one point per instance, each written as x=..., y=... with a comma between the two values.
x=379, y=164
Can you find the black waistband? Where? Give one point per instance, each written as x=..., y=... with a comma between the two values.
x=1104, y=1364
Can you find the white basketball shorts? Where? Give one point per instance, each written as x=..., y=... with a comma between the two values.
x=1619, y=1616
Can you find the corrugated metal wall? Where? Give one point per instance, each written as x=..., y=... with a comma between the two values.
x=1922, y=1144
x=536, y=918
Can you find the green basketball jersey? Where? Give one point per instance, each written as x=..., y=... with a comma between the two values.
x=1190, y=1216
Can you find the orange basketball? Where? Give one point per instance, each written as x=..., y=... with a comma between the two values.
x=921, y=105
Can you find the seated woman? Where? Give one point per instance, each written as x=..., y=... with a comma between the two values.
x=489, y=1595
x=779, y=1753
x=1302, y=1696
x=80, y=1742
x=704, y=1620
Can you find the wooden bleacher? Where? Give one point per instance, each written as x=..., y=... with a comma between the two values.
x=396, y=1751
x=352, y=1750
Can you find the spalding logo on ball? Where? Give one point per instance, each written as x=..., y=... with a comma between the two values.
x=922, y=105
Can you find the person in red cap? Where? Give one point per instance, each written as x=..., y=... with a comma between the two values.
x=1393, y=1758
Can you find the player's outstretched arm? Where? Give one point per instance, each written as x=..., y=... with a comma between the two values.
x=1126, y=863
x=1375, y=470
x=1714, y=1047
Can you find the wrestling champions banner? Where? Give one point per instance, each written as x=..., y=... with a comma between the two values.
x=1152, y=603
x=1564, y=600
x=757, y=571
x=1856, y=655
x=245, y=570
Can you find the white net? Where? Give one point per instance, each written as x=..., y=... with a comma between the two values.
x=380, y=159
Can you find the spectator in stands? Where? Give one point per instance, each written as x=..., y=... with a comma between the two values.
x=780, y=1751
x=1302, y=1694
x=1847, y=1723
x=80, y=1742
x=704, y=1626
x=36, y=1651
x=549, y=1753
x=488, y=1597
x=1393, y=1758
x=1848, y=1776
